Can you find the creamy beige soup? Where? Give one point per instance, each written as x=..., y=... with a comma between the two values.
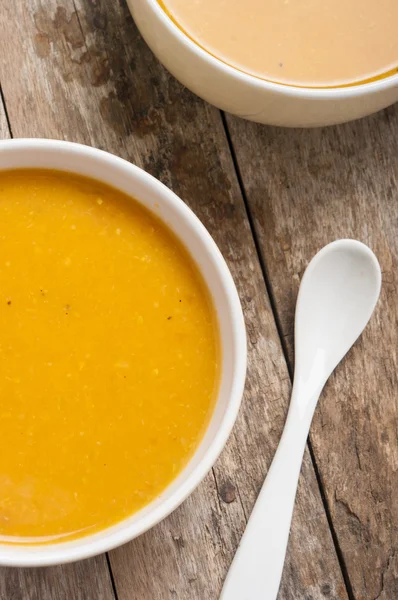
x=299, y=42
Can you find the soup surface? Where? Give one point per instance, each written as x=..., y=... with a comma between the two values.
x=300, y=42
x=108, y=356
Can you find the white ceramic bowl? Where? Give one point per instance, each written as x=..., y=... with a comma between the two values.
x=250, y=97
x=182, y=221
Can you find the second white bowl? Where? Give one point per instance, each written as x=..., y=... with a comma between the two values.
x=250, y=97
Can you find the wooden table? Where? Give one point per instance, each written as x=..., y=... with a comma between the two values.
x=78, y=70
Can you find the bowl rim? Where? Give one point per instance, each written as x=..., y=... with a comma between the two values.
x=65, y=552
x=351, y=91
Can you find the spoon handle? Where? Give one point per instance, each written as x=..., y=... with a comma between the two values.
x=256, y=570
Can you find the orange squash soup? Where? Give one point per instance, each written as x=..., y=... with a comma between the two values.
x=109, y=356
x=314, y=43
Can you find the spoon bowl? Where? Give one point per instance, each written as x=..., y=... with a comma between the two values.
x=337, y=296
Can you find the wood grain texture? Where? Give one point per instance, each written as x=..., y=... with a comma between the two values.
x=4, y=131
x=86, y=580
x=85, y=74
x=82, y=581
x=305, y=189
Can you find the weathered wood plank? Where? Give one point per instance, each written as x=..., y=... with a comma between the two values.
x=306, y=188
x=86, y=580
x=88, y=76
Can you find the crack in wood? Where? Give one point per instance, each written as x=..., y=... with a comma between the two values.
x=383, y=576
x=348, y=510
x=76, y=12
x=357, y=452
x=283, y=337
x=5, y=125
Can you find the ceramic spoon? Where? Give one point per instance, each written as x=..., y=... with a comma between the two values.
x=337, y=296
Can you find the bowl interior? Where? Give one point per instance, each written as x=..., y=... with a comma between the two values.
x=181, y=220
x=360, y=88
